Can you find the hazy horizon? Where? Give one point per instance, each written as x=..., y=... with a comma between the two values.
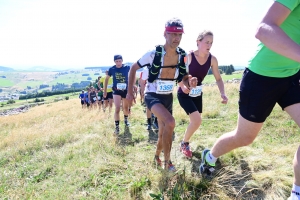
x=77, y=34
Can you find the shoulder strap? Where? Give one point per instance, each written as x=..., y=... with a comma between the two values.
x=156, y=64
x=181, y=65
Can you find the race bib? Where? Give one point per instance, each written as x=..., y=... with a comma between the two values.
x=109, y=86
x=164, y=87
x=121, y=86
x=195, y=92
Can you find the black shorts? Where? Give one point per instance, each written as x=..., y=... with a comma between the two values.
x=82, y=102
x=108, y=96
x=122, y=93
x=88, y=104
x=92, y=101
x=259, y=94
x=166, y=100
x=100, y=98
x=190, y=104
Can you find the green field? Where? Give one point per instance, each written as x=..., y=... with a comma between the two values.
x=211, y=78
x=32, y=84
x=6, y=82
x=73, y=78
x=50, y=99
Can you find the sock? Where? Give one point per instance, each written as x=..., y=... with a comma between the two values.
x=117, y=123
x=149, y=121
x=186, y=143
x=126, y=118
x=210, y=159
x=295, y=195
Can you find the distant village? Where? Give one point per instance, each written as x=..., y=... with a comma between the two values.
x=57, y=87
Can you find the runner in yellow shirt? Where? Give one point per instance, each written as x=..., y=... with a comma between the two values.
x=109, y=96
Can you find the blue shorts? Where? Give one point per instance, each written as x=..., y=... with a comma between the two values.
x=259, y=94
x=166, y=100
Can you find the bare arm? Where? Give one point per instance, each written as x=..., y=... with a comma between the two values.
x=131, y=77
x=188, y=81
x=131, y=82
x=219, y=80
x=271, y=35
x=105, y=85
x=184, y=85
x=142, y=85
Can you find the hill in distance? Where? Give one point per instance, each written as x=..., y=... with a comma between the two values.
x=6, y=69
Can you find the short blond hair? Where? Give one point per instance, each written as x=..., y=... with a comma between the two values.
x=203, y=34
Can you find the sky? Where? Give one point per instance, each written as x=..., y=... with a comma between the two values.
x=65, y=34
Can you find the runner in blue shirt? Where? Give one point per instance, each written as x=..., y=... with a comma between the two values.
x=86, y=95
x=119, y=72
x=81, y=97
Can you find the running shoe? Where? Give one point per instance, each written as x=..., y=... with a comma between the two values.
x=294, y=195
x=127, y=123
x=206, y=168
x=157, y=161
x=149, y=127
x=170, y=167
x=185, y=149
x=155, y=125
x=117, y=130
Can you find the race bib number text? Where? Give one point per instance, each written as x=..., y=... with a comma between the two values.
x=121, y=86
x=195, y=92
x=164, y=87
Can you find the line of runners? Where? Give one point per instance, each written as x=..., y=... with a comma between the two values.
x=273, y=76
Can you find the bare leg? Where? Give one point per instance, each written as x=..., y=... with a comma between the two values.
x=125, y=106
x=105, y=104
x=167, y=126
x=195, y=122
x=159, y=146
x=294, y=112
x=110, y=104
x=148, y=113
x=243, y=135
x=117, y=101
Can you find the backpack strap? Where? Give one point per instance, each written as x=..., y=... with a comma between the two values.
x=156, y=64
x=181, y=65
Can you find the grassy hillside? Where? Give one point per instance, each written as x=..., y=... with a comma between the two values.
x=47, y=100
x=60, y=151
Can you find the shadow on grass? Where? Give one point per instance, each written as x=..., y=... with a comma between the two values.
x=180, y=186
x=232, y=183
x=125, y=139
x=153, y=136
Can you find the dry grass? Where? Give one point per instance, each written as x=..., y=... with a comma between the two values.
x=60, y=151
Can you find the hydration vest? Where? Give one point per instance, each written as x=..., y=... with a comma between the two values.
x=154, y=69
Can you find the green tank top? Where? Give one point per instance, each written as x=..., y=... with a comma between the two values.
x=268, y=63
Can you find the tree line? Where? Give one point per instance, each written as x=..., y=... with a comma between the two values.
x=227, y=69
